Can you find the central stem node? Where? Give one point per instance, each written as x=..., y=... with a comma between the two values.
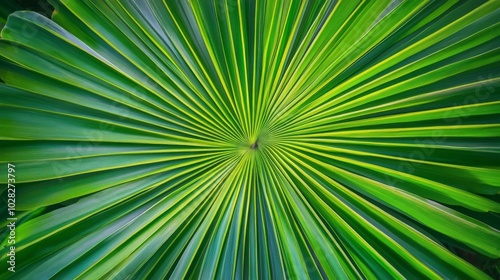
x=255, y=145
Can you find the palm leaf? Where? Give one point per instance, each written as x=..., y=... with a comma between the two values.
x=253, y=139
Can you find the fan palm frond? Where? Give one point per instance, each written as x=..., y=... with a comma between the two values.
x=252, y=139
